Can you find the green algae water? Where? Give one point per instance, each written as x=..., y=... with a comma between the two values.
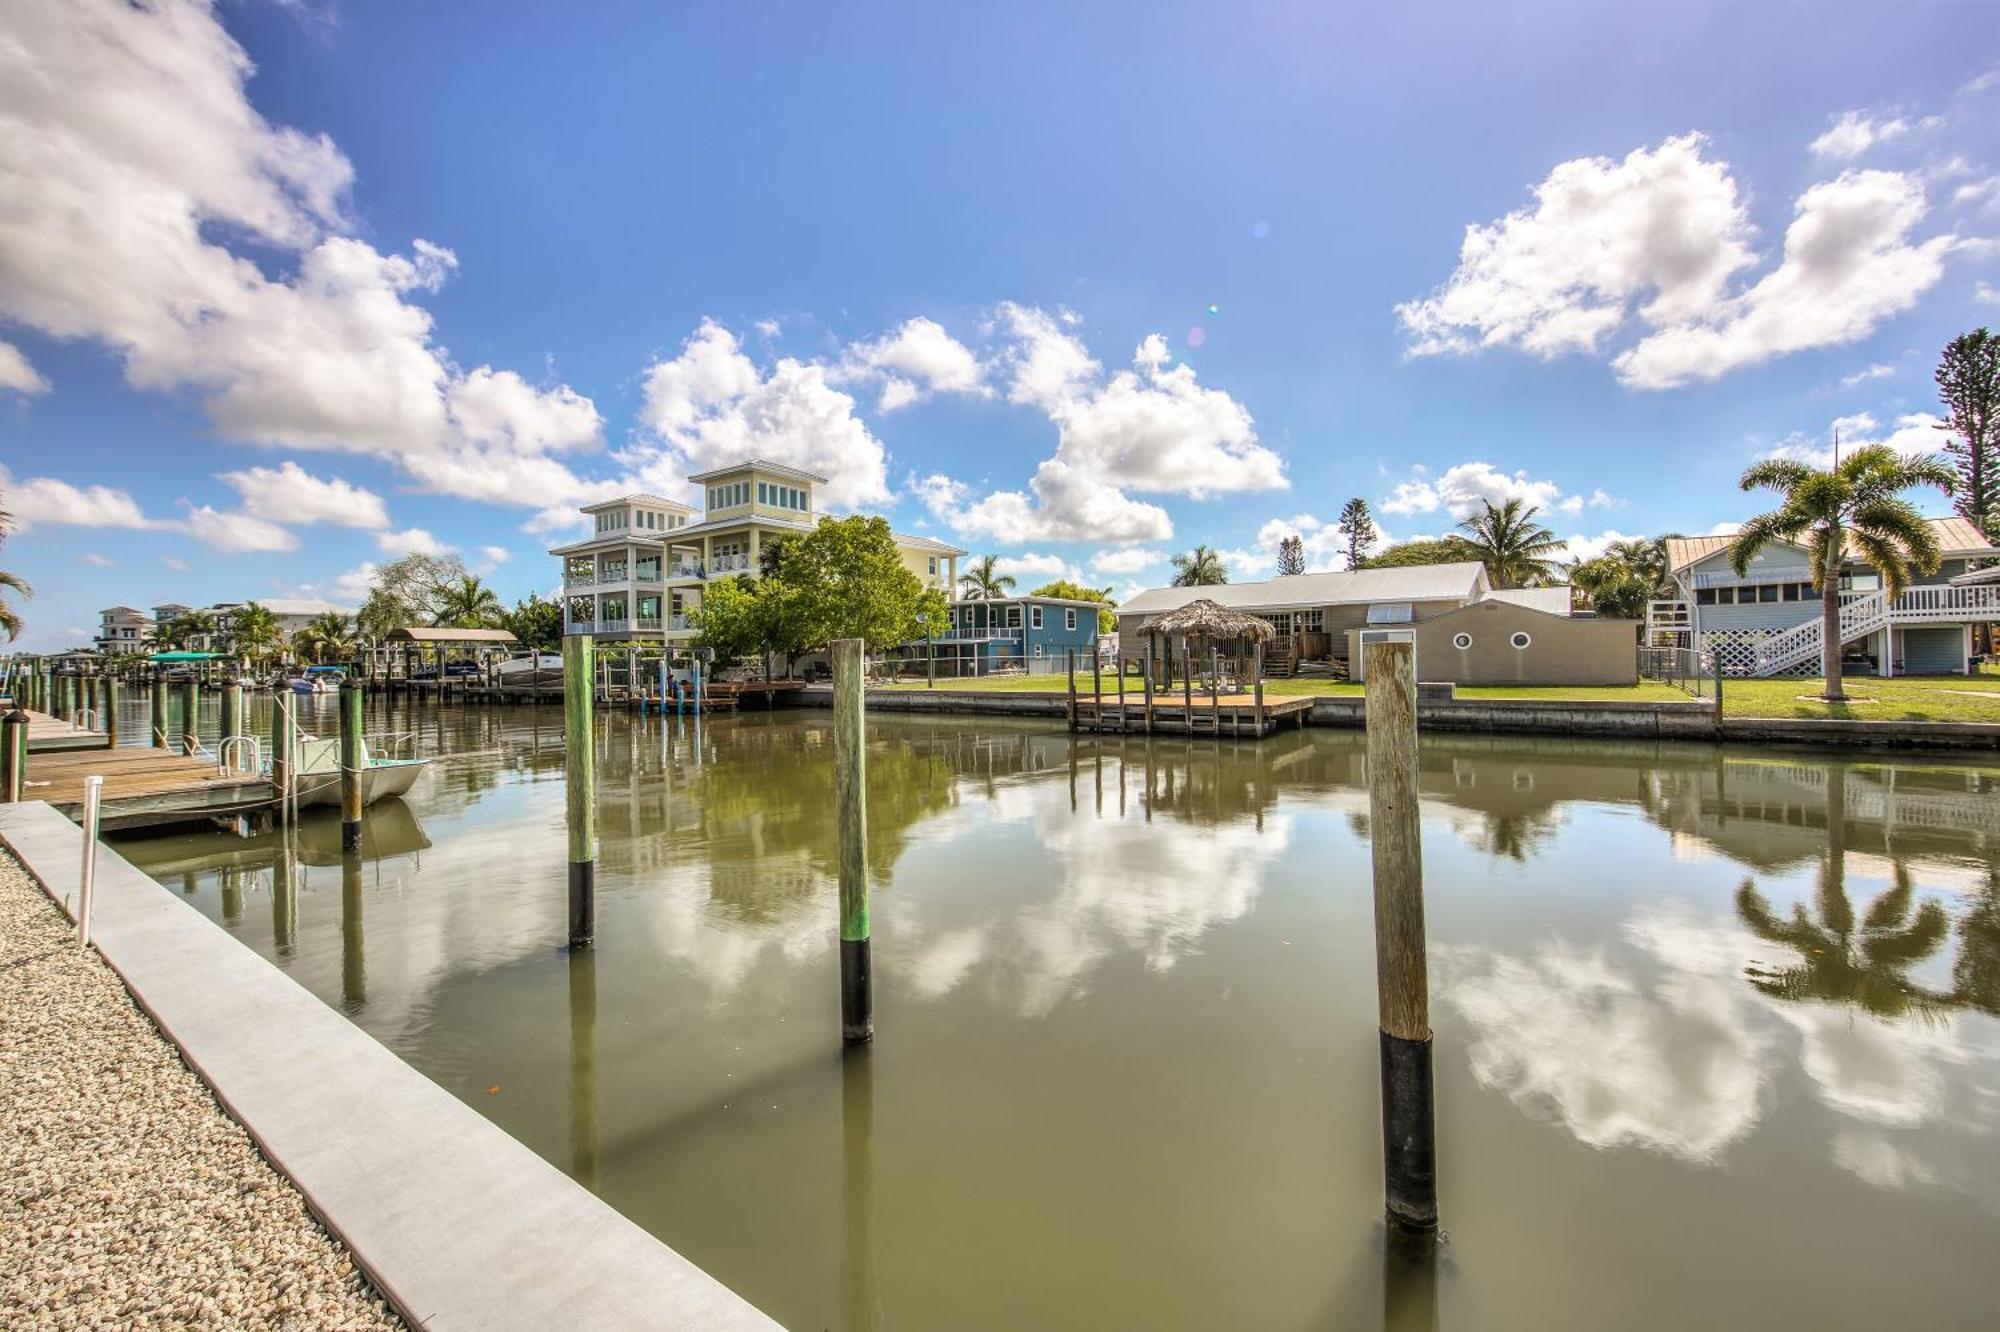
x=1716, y=1040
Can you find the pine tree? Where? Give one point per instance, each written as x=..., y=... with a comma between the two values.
x=1357, y=529
x=1968, y=379
x=1291, y=555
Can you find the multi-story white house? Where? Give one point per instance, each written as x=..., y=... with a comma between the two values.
x=123, y=629
x=1767, y=620
x=640, y=573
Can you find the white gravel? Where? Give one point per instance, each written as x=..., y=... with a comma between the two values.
x=130, y=1199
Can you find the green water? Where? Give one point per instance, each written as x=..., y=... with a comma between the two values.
x=1125, y=1069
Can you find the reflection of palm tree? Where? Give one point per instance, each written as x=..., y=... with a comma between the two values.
x=1862, y=964
x=1516, y=836
x=1975, y=976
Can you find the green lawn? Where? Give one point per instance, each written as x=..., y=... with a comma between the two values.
x=1973, y=698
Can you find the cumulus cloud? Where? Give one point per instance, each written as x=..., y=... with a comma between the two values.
x=495, y=555
x=711, y=405
x=1582, y=547
x=45, y=500
x=409, y=541
x=235, y=533
x=1661, y=237
x=914, y=362
x=1855, y=132
x=1911, y=434
x=135, y=161
x=1124, y=561
x=1878, y=370
x=288, y=493
x=101, y=561
x=1031, y=569
x=1462, y=489
x=16, y=375
x=1151, y=429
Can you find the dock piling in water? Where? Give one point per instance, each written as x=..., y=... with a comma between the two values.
x=580, y=785
x=850, y=793
x=281, y=749
x=350, y=765
x=1409, y=1141
x=113, y=689
x=158, y=721
x=232, y=714
x=191, y=717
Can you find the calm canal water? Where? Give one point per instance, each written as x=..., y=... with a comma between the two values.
x=1716, y=1035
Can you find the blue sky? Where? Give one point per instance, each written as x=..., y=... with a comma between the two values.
x=286, y=290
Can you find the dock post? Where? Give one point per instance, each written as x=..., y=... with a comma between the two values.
x=93, y=801
x=191, y=717
x=159, y=718
x=1148, y=684
x=1096, y=691
x=580, y=784
x=112, y=689
x=850, y=794
x=1257, y=684
x=281, y=747
x=1409, y=1144
x=1070, y=658
x=13, y=756
x=232, y=714
x=350, y=765
x=1119, y=666
x=1187, y=685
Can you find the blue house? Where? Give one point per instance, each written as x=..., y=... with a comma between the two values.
x=1034, y=634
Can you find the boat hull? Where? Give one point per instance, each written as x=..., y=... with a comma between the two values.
x=379, y=781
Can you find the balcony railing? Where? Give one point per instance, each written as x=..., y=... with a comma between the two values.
x=678, y=624
x=583, y=578
x=647, y=624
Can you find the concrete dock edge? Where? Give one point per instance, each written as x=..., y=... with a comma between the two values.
x=456, y=1223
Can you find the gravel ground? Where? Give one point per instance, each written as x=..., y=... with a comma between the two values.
x=130, y=1199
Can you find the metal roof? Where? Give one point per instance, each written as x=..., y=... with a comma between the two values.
x=637, y=497
x=1424, y=582
x=1549, y=600
x=1955, y=535
x=775, y=469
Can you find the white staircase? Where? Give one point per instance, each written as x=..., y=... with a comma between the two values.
x=1864, y=613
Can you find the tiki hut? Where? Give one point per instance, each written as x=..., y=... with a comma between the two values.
x=1211, y=625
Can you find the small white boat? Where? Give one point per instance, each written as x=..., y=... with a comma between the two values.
x=318, y=680
x=318, y=774
x=540, y=668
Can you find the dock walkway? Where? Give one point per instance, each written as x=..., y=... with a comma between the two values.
x=1202, y=714
x=143, y=786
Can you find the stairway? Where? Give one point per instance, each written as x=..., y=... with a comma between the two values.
x=1865, y=613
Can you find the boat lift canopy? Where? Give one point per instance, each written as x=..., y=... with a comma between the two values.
x=188, y=656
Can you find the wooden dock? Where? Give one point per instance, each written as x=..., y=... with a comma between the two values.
x=143, y=787
x=48, y=735
x=1219, y=715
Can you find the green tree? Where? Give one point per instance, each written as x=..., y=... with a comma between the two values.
x=1409, y=554
x=536, y=623
x=1857, y=502
x=1107, y=619
x=1968, y=380
x=253, y=632
x=466, y=603
x=10, y=619
x=186, y=630
x=1611, y=586
x=1357, y=530
x=324, y=638
x=982, y=580
x=844, y=579
x=408, y=592
x=1291, y=556
x=1200, y=567
x=1516, y=550
x=736, y=616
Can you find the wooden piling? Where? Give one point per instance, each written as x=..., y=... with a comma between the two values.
x=13, y=756
x=232, y=714
x=1147, y=684
x=1257, y=685
x=1096, y=690
x=158, y=720
x=191, y=717
x=113, y=691
x=351, y=765
x=580, y=781
x=281, y=745
x=1069, y=657
x=1401, y=970
x=850, y=793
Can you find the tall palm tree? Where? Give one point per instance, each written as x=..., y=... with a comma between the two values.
x=323, y=637
x=253, y=632
x=467, y=603
x=1516, y=550
x=186, y=629
x=1200, y=567
x=982, y=580
x=1853, y=508
x=10, y=619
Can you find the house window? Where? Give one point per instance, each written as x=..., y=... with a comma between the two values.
x=1704, y=596
x=1013, y=617
x=1391, y=612
x=1309, y=621
x=1035, y=621
x=1038, y=649
x=1768, y=592
x=1520, y=640
x=1461, y=641
x=1069, y=619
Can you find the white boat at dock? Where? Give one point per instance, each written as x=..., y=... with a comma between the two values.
x=317, y=775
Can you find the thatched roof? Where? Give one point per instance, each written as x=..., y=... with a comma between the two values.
x=1202, y=618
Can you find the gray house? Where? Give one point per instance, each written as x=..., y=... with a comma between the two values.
x=1766, y=620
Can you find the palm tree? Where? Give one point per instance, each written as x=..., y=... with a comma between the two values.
x=10, y=619
x=467, y=603
x=982, y=581
x=253, y=632
x=1200, y=567
x=324, y=636
x=186, y=629
x=1859, y=501
x=1516, y=550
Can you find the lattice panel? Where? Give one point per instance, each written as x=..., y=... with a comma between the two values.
x=1737, y=650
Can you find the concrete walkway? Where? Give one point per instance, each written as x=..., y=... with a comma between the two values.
x=455, y=1222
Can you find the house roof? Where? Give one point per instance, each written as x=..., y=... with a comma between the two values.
x=1422, y=582
x=414, y=635
x=1955, y=535
x=775, y=469
x=681, y=535
x=303, y=606
x=1549, y=600
x=1501, y=605
x=638, y=497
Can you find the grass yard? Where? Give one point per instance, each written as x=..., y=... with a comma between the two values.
x=1056, y=684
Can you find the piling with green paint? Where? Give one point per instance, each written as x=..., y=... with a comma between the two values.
x=191, y=717
x=113, y=697
x=352, y=763
x=850, y=794
x=158, y=720
x=580, y=781
x=281, y=743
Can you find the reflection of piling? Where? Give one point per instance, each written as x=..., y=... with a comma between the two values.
x=158, y=720
x=1409, y=1280
x=1402, y=982
x=13, y=756
x=284, y=903
x=191, y=717
x=583, y=1153
x=850, y=793
x=580, y=783
x=858, y=1298
x=353, y=945
x=351, y=765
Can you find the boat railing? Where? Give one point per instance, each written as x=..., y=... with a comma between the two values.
x=389, y=743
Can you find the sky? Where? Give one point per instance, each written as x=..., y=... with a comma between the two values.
x=290, y=289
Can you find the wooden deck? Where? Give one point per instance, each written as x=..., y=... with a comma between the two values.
x=47, y=735
x=142, y=786
x=1223, y=715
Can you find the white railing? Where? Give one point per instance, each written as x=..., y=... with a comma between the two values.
x=728, y=564
x=686, y=571
x=579, y=579
x=647, y=623
x=677, y=623
x=613, y=626
x=1940, y=602
x=1864, y=613
x=1753, y=578
x=579, y=626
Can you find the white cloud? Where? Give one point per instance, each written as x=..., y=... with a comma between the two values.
x=175, y=563
x=1582, y=547
x=134, y=160
x=1661, y=236
x=1152, y=429
x=1125, y=560
x=409, y=541
x=1031, y=568
x=495, y=554
x=17, y=375
x=711, y=405
x=102, y=562
x=1985, y=82
x=1855, y=132
x=1879, y=370
x=1986, y=291
x=1461, y=490
x=557, y=520
x=43, y=499
x=915, y=361
x=236, y=533
x=1913, y=434
x=288, y=493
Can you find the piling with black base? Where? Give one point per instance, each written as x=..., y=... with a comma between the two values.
x=850, y=793
x=1409, y=1138
x=580, y=785
x=113, y=697
x=351, y=765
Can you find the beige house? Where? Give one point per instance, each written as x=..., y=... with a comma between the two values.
x=1497, y=641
